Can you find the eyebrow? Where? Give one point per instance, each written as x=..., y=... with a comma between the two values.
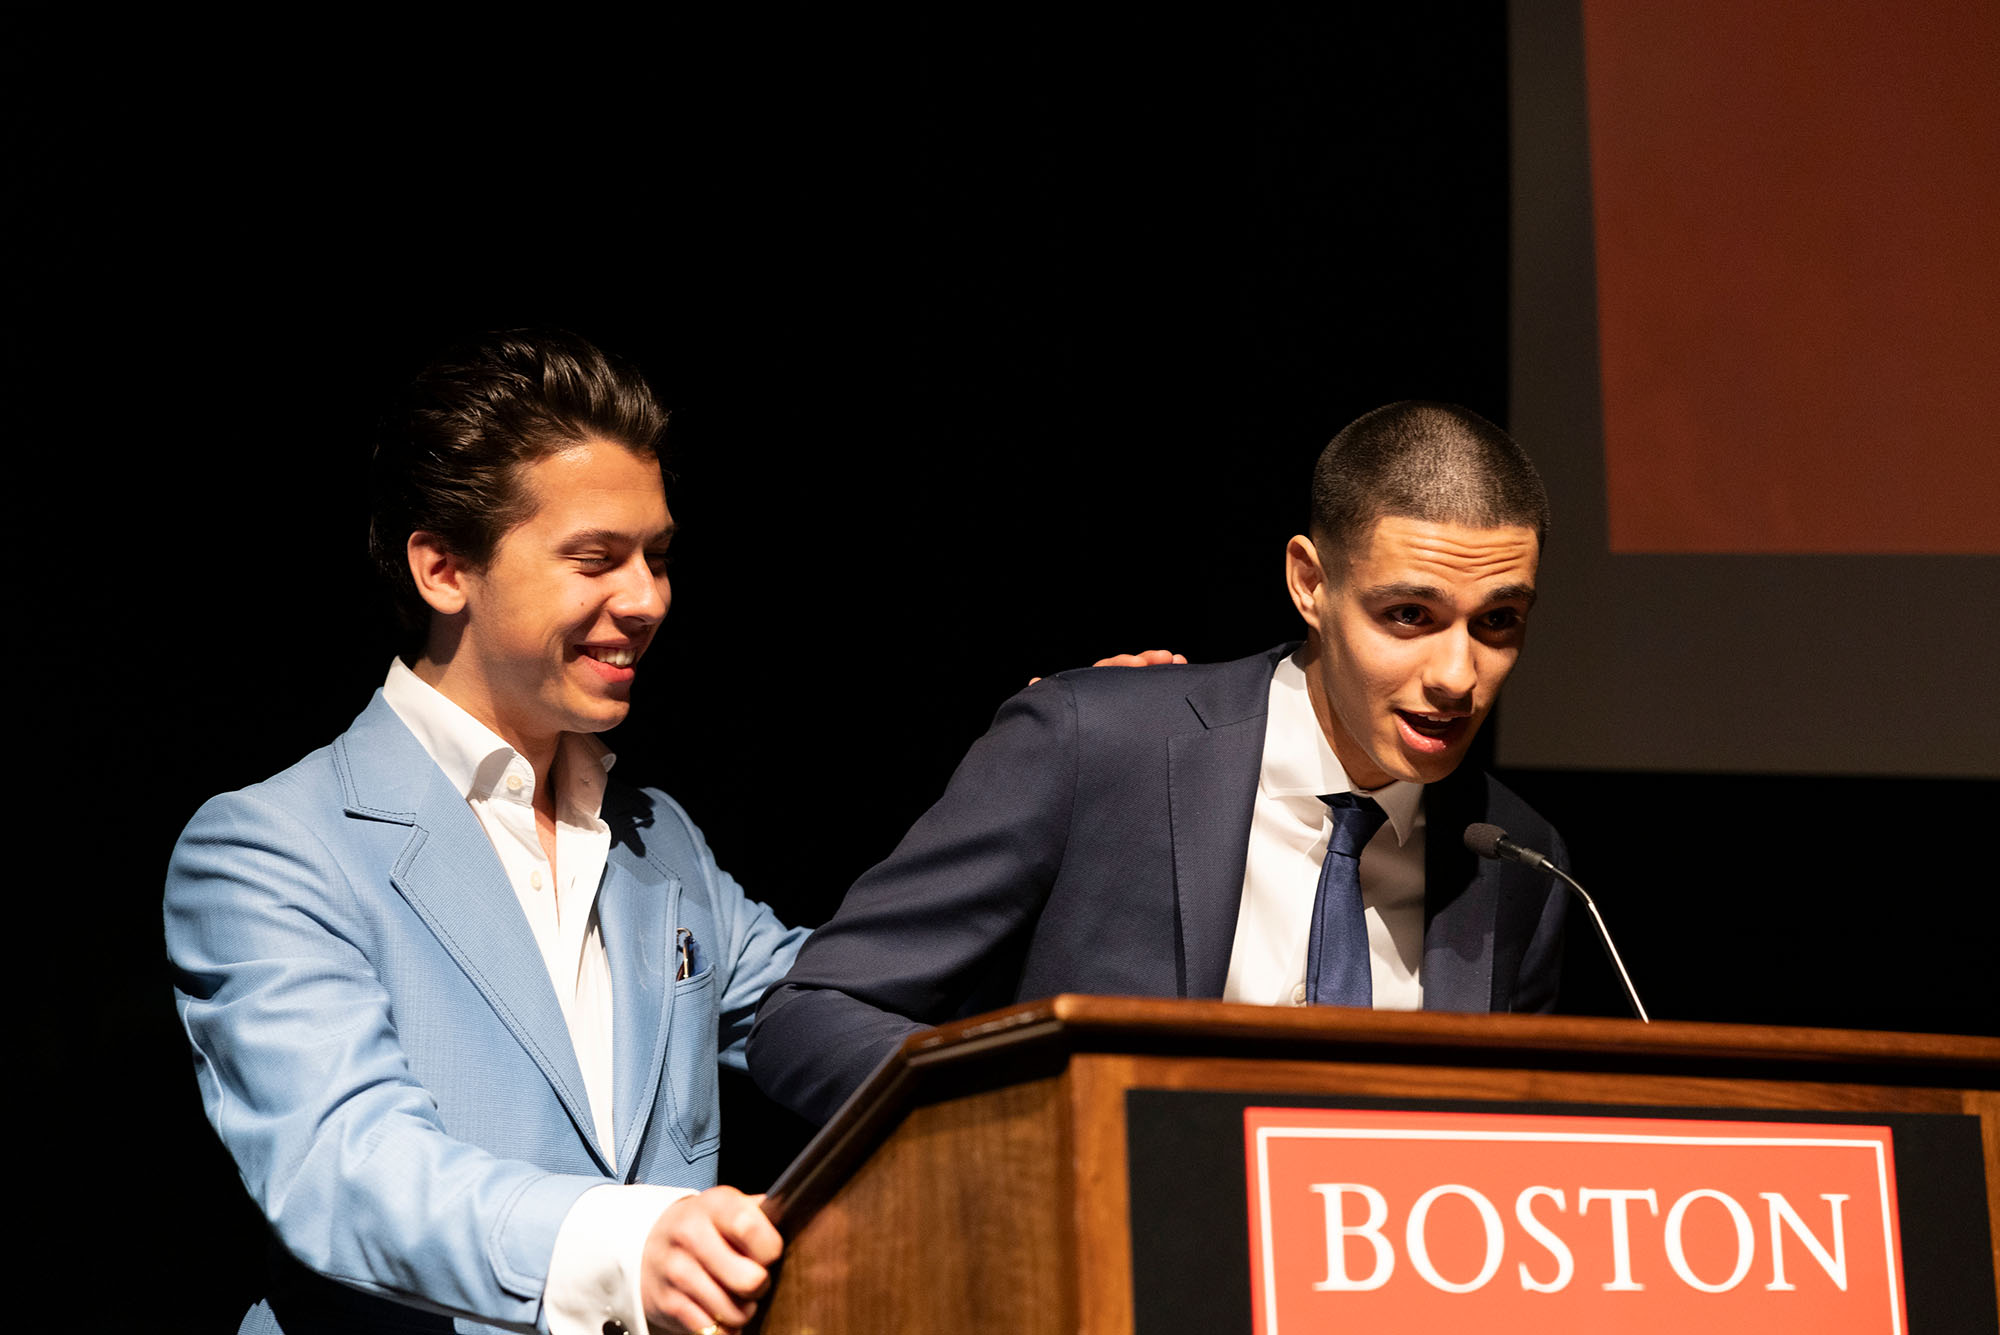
x=585, y=537
x=1431, y=593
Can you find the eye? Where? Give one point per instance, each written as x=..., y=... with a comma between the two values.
x=1502, y=619
x=658, y=562
x=591, y=560
x=1407, y=614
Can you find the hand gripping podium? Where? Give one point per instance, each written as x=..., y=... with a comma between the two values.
x=1108, y=1164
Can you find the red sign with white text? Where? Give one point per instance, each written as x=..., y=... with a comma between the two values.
x=1419, y=1221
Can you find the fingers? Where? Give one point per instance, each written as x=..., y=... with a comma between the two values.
x=681, y=1315
x=705, y=1261
x=1144, y=658
x=689, y=1300
x=750, y=1231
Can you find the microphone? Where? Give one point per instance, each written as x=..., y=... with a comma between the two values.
x=1490, y=841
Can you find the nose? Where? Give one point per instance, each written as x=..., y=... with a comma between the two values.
x=1452, y=669
x=642, y=595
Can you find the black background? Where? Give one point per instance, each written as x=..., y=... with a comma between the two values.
x=995, y=343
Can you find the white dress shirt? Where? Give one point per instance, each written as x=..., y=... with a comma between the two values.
x=1289, y=826
x=594, y=1271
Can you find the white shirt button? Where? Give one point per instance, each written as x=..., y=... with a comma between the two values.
x=535, y=879
x=513, y=783
x=1299, y=995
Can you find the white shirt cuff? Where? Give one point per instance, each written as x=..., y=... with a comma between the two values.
x=594, y=1270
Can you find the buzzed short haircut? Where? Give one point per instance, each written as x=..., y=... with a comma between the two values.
x=1434, y=462
x=448, y=459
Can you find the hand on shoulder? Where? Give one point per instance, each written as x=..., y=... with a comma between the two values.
x=1144, y=658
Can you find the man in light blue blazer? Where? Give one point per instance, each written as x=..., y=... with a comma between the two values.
x=456, y=1000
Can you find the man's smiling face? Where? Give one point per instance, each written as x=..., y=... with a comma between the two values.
x=550, y=630
x=1413, y=635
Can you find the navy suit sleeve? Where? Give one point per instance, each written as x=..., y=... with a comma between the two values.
x=920, y=933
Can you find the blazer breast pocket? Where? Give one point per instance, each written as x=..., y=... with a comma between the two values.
x=691, y=1059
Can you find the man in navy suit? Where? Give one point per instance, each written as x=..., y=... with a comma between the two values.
x=1165, y=832
x=456, y=997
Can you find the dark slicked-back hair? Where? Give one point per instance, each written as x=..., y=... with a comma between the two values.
x=449, y=458
x=1434, y=462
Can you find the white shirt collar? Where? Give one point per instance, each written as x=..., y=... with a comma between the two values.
x=473, y=757
x=1299, y=761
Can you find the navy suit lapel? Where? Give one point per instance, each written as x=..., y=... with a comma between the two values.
x=449, y=874
x=637, y=908
x=1212, y=789
x=1461, y=900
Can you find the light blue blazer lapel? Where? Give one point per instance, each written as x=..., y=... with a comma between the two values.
x=638, y=906
x=1212, y=774
x=449, y=874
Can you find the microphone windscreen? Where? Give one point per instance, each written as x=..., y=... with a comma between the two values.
x=1484, y=839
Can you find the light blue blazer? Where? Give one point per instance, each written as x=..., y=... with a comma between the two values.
x=379, y=1048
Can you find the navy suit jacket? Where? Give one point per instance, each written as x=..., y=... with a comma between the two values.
x=1094, y=840
x=378, y=1045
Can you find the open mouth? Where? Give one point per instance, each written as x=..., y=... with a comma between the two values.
x=625, y=657
x=1431, y=732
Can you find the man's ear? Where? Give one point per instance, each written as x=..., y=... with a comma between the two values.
x=439, y=573
x=1305, y=578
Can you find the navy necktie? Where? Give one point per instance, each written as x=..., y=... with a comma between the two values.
x=1337, y=969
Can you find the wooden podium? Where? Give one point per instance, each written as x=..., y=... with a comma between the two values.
x=979, y=1180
